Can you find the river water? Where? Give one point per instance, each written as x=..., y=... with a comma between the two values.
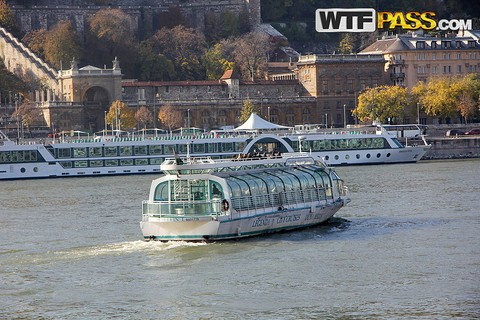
x=406, y=247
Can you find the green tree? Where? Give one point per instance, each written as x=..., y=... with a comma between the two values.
x=216, y=62
x=61, y=44
x=382, y=103
x=153, y=67
x=247, y=109
x=120, y=117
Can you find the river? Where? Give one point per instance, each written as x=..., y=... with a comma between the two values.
x=406, y=247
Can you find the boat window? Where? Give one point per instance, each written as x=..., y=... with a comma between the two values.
x=235, y=188
x=96, y=163
x=140, y=150
x=157, y=149
x=110, y=151
x=141, y=162
x=126, y=162
x=199, y=189
x=227, y=147
x=239, y=146
x=111, y=163
x=66, y=164
x=216, y=190
x=80, y=164
x=198, y=148
x=156, y=161
x=161, y=192
x=95, y=151
x=63, y=153
x=79, y=152
x=125, y=150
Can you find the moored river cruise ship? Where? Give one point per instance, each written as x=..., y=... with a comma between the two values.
x=202, y=199
x=110, y=155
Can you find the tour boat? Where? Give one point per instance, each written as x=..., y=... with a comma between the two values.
x=112, y=155
x=205, y=199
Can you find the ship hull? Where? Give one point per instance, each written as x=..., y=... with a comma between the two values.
x=238, y=225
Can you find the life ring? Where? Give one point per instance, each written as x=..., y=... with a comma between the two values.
x=225, y=205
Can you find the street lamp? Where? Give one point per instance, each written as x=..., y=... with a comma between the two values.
x=344, y=116
x=188, y=118
x=418, y=112
x=268, y=110
x=155, y=97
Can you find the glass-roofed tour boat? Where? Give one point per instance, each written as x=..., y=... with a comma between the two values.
x=205, y=199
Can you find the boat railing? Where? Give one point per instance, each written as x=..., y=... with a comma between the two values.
x=181, y=208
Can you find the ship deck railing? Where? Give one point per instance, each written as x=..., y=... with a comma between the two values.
x=259, y=203
x=161, y=209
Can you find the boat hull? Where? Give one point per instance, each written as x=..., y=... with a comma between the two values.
x=236, y=226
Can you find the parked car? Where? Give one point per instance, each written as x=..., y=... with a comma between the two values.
x=473, y=132
x=454, y=132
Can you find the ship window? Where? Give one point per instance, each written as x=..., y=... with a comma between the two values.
x=156, y=161
x=79, y=152
x=126, y=162
x=96, y=163
x=80, y=164
x=63, y=153
x=141, y=162
x=66, y=164
x=161, y=192
x=216, y=190
x=111, y=163
x=95, y=151
x=239, y=146
x=125, y=150
x=110, y=151
x=198, y=148
x=156, y=149
x=227, y=147
x=140, y=150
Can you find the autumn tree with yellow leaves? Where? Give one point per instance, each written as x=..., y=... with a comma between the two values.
x=120, y=117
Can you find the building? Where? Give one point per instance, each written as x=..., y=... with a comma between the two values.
x=412, y=57
x=336, y=80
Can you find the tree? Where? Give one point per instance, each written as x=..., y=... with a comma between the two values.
x=382, y=103
x=216, y=62
x=120, y=117
x=468, y=91
x=153, y=67
x=111, y=33
x=7, y=18
x=247, y=109
x=437, y=96
x=28, y=114
x=144, y=116
x=184, y=47
x=170, y=117
x=61, y=44
x=36, y=41
x=251, y=54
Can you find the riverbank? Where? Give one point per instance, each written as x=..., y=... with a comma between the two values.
x=460, y=147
